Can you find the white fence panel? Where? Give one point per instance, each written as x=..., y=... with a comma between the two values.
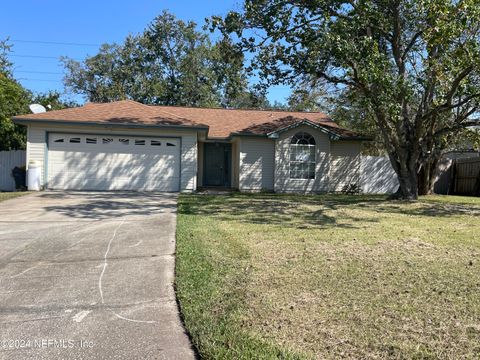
x=378, y=176
x=8, y=160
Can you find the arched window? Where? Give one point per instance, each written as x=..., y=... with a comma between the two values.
x=302, y=156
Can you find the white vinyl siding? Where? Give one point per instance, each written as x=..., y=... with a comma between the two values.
x=283, y=182
x=256, y=164
x=345, y=167
x=189, y=157
x=200, y=162
x=236, y=163
x=36, y=146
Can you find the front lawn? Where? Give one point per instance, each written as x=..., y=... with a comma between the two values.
x=329, y=276
x=10, y=195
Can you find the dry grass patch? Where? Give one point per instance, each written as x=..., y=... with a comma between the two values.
x=10, y=195
x=330, y=276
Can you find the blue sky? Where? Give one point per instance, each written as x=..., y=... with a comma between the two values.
x=29, y=22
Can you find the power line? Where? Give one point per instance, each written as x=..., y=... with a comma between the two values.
x=47, y=80
x=35, y=56
x=39, y=72
x=54, y=43
x=41, y=57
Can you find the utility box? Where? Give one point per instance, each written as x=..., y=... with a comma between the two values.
x=33, y=176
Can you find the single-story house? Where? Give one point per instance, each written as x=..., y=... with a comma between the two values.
x=126, y=145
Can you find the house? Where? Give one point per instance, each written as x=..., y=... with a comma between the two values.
x=126, y=145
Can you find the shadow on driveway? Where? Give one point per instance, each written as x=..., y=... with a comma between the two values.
x=108, y=205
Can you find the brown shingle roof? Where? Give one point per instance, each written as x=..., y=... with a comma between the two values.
x=221, y=122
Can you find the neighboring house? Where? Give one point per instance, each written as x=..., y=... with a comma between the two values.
x=126, y=145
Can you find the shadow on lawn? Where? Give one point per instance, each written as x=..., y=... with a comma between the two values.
x=429, y=209
x=277, y=209
x=286, y=210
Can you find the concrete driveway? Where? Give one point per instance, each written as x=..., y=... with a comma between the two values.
x=89, y=276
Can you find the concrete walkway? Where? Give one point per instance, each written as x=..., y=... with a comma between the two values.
x=89, y=276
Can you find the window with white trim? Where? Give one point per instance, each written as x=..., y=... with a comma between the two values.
x=302, y=156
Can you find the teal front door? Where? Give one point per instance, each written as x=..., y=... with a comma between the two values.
x=218, y=164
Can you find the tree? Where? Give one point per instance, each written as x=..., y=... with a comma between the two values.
x=312, y=95
x=170, y=63
x=14, y=100
x=414, y=65
x=348, y=111
x=52, y=100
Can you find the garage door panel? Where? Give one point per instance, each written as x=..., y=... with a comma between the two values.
x=105, y=165
x=123, y=184
x=132, y=182
x=94, y=162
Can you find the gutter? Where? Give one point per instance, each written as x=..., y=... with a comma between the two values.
x=234, y=134
x=27, y=121
x=275, y=134
x=356, y=138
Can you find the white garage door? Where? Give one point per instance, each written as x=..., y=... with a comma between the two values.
x=107, y=162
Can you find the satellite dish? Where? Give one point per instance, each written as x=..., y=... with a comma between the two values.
x=37, y=108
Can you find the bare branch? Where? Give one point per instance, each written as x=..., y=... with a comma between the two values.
x=411, y=43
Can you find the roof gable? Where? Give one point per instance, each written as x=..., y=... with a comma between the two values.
x=333, y=132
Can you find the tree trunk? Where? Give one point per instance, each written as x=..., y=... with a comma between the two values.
x=408, y=189
x=425, y=183
x=408, y=182
x=427, y=175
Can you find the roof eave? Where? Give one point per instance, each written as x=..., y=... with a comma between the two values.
x=355, y=138
x=247, y=134
x=27, y=121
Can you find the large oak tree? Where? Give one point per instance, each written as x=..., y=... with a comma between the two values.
x=170, y=63
x=414, y=65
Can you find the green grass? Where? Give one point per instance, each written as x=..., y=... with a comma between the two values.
x=329, y=276
x=10, y=195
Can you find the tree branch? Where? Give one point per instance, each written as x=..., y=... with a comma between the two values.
x=334, y=79
x=447, y=105
x=411, y=43
x=456, y=83
x=459, y=123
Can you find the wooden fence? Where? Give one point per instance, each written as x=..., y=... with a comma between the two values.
x=9, y=160
x=466, y=177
